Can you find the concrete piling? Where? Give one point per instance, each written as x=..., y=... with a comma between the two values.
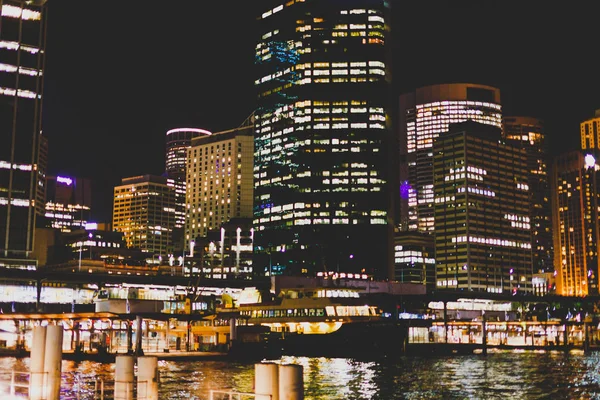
x=124, y=377
x=266, y=381
x=53, y=361
x=291, y=382
x=148, y=378
x=36, y=366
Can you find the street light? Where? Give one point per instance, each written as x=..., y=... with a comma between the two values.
x=270, y=264
x=511, y=281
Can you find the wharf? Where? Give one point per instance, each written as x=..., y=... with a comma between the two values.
x=110, y=357
x=478, y=348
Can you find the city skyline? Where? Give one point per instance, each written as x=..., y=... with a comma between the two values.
x=140, y=78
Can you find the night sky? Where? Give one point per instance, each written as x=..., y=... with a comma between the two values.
x=119, y=74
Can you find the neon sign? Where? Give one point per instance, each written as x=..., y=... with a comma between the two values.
x=65, y=180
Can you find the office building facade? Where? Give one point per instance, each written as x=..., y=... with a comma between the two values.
x=414, y=258
x=144, y=210
x=68, y=203
x=177, y=143
x=590, y=133
x=219, y=180
x=575, y=216
x=482, y=224
x=322, y=132
x=425, y=115
x=23, y=150
x=528, y=133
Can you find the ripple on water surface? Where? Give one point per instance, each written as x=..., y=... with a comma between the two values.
x=503, y=375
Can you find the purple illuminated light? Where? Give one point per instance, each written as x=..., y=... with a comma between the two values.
x=65, y=180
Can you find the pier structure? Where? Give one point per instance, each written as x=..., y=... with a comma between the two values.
x=103, y=335
x=472, y=324
x=179, y=314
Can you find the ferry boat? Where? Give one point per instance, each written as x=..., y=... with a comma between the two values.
x=322, y=322
x=310, y=310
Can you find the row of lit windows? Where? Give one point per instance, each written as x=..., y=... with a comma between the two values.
x=22, y=70
x=449, y=103
x=321, y=221
x=27, y=94
x=400, y=259
x=491, y=241
x=10, y=45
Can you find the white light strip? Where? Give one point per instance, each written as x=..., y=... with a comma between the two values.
x=18, y=12
x=22, y=167
x=5, y=44
x=491, y=241
x=197, y=130
x=15, y=202
x=22, y=70
x=22, y=93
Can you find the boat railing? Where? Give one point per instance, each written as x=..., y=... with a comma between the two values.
x=81, y=388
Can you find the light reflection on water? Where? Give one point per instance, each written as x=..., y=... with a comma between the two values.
x=552, y=375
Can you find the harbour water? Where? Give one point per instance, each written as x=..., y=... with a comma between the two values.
x=498, y=375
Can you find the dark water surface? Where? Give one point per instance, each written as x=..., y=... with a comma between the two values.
x=503, y=375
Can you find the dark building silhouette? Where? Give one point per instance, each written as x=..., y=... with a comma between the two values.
x=68, y=202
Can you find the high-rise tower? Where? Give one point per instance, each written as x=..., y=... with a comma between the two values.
x=219, y=176
x=575, y=217
x=482, y=224
x=590, y=133
x=144, y=210
x=528, y=133
x=177, y=142
x=425, y=115
x=575, y=202
x=22, y=160
x=321, y=138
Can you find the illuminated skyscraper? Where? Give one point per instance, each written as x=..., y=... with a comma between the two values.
x=219, y=180
x=178, y=141
x=575, y=214
x=322, y=136
x=482, y=224
x=590, y=133
x=144, y=210
x=575, y=217
x=528, y=133
x=424, y=116
x=22, y=149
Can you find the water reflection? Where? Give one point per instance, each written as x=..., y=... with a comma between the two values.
x=528, y=375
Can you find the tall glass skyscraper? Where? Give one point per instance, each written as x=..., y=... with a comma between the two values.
x=22, y=151
x=322, y=135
